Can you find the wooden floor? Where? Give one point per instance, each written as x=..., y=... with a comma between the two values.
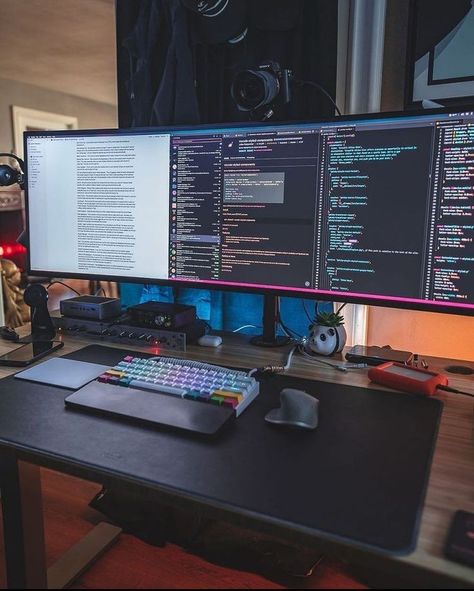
x=131, y=563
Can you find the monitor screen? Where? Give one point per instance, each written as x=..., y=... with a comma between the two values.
x=374, y=209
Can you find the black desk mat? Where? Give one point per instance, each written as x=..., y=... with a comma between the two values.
x=360, y=477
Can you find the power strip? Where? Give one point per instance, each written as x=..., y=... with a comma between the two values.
x=127, y=334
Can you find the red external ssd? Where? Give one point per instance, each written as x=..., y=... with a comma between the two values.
x=406, y=378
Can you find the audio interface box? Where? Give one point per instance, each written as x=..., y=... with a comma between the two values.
x=127, y=334
x=161, y=315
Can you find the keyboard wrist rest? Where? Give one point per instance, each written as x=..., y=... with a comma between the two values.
x=150, y=408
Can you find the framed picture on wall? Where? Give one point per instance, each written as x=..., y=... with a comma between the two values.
x=440, y=52
x=33, y=120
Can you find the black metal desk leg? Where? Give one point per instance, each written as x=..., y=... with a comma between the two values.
x=23, y=529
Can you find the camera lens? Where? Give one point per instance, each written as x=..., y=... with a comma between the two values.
x=252, y=89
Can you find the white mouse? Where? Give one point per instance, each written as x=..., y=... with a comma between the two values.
x=210, y=340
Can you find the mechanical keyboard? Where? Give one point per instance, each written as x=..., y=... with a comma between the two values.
x=189, y=380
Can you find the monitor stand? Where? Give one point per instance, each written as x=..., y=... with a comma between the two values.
x=269, y=338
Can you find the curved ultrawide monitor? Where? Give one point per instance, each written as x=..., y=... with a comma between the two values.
x=374, y=209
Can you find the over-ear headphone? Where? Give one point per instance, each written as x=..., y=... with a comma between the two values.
x=10, y=176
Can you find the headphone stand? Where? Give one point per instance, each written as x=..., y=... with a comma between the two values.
x=42, y=328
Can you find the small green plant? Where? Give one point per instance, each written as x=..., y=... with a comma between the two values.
x=330, y=319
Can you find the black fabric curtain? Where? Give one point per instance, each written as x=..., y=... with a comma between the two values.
x=170, y=71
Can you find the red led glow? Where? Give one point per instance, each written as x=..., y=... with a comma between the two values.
x=11, y=249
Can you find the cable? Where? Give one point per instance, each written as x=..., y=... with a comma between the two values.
x=246, y=326
x=340, y=367
x=321, y=89
x=292, y=334
x=65, y=285
x=276, y=368
x=288, y=331
x=206, y=324
x=101, y=289
x=334, y=365
x=300, y=346
x=302, y=340
x=290, y=357
x=306, y=311
x=454, y=390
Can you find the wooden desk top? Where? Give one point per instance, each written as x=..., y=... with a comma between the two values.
x=451, y=484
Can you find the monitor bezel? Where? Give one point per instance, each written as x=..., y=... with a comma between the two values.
x=367, y=299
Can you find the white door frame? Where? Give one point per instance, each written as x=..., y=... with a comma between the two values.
x=360, y=48
x=2, y=313
x=24, y=118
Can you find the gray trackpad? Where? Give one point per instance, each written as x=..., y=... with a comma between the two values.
x=65, y=373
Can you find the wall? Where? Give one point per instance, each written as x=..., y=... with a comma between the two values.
x=395, y=55
x=427, y=333
x=89, y=113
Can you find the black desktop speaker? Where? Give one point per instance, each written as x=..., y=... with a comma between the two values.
x=42, y=328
